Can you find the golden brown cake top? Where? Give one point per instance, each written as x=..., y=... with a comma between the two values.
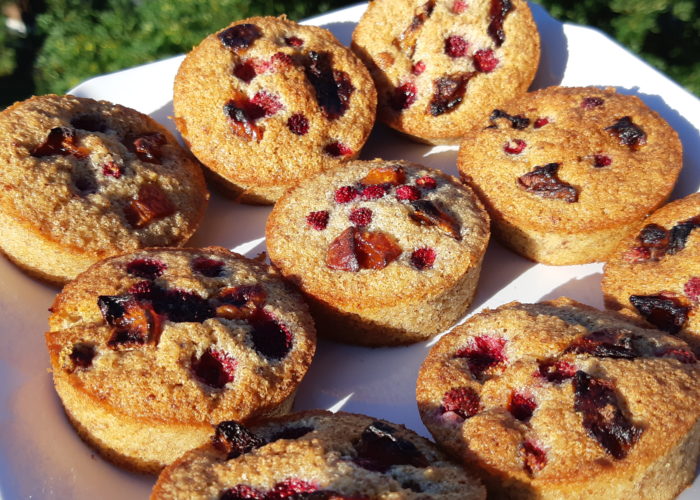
x=439, y=65
x=184, y=335
x=327, y=456
x=267, y=101
x=97, y=177
x=655, y=271
x=567, y=392
x=572, y=159
x=377, y=231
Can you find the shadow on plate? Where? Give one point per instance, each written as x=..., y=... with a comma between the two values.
x=586, y=290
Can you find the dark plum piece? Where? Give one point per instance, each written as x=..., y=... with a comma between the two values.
x=449, y=93
x=215, y=368
x=182, y=306
x=82, y=355
x=146, y=268
x=211, y=268
x=404, y=96
x=240, y=37
x=427, y=213
x=680, y=233
x=333, y=87
x=664, y=312
x=482, y=353
x=544, y=181
x=497, y=15
x=556, y=371
x=270, y=337
x=89, y=123
x=603, y=419
x=378, y=449
x=617, y=343
x=61, y=141
x=518, y=122
x=406, y=41
x=628, y=133
x=464, y=401
x=235, y=439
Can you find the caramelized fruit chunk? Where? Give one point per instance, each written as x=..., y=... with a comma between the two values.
x=392, y=176
x=427, y=213
x=482, y=353
x=240, y=37
x=378, y=449
x=235, y=439
x=375, y=250
x=603, y=419
x=61, y=141
x=518, y=122
x=148, y=147
x=214, y=368
x=628, y=133
x=342, y=252
x=182, y=306
x=464, y=401
x=449, y=92
x=544, y=181
x=333, y=87
x=406, y=41
x=497, y=15
x=134, y=323
x=241, y=301
x=151, y=204
x=665, y=312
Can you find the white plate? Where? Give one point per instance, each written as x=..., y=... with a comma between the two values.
x=40, y=454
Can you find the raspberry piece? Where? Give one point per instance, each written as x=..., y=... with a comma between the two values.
x=378, y=449
x=540, y=122
x=372, y=192
x=240, y=302
x=592, y=102
x=148, y=269
x=556, y=371
x=148, y=147
x=407, y=193
x=235, y=439
x=456, y=46
x=337, y=149
x=666, y=313
x=518, y=122
x=333, y=87
x=268, y=103
x=294, y=41
x=544, y=181
x=628, y=133
x=242, y=492
x=385, y=176
x=521, y=405
x=423, y=258
x=601, y=161
x=514, y=147
x=682, y=355
x=418, y=68
x=112, y=169
x=404, y=96
x=464, y=401
x=426, y=182
x=482, y=353
x=448, y=92
x=637, y=254
x=361, y=217
x=150, y=205
x=459, y=6
x=61, y=141
x=318, y=220
x=282, y=60
x=291, y=488
x=497, y=16
x=485, y=60
x=182, y=306
x=298, y=124
x=245, y=70
x=143, y=290
x=345, y=194
x=240, y=37
x=692, y=289
x=211, y=268
x=427, y=213
x=270, y=337
x=82, y=355
x=214, y=368
x=535, y=457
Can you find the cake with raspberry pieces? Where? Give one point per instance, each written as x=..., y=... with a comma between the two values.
x=150, y=349
x=440, y=66
x=83, y=180
x=266, y=103
x=655, y=271
x=316, y=455
x=561, y=400
x=386, y=252
x=566, y=173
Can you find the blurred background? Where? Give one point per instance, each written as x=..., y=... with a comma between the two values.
x=52, y=45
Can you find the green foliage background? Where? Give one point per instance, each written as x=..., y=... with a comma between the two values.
x=71, y=40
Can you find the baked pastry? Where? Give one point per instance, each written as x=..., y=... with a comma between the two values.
x=566, y=173
x=149, y=349
x=84, y=179
x=266, y=103
x=655, y=271
x=386, y=252
x=318, y=455
x=441, y=66
x=561, y=400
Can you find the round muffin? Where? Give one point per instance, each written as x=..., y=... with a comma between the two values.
x=266, y=103
x=560, y=400
x=566, y=173
x=319, y=455
x=387, y=252
x=150, y=349
x=440, y=66
x=83, y=180
x=655, y=271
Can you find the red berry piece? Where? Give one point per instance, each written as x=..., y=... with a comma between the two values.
x=214, y=368
x=682, y=355
x=333, y=87
x=518, y=122
x=628, y=133
x=89, y=123
x=145, y=290
x=148, y=147
x=544, y=181
x=282, y=60
x=514, y=147
x=497, y=16
x=427, y=213
x=150, y=205
x=182, y=306
x=82, y=355
x=692, y=289
x=483, y=353
x=456, y=46
x=423, y=258
x=418, y=68
x=372, y=192
x=298, y=124
x=603, y=419
x=556, y=371
x=148, y=269
x=426, y=182
x=240, y=37
x=345, y=194
x=270, y=337
x=407, y=193
x=291, y=488
x=361, y=217
x=338, y=149
x=242, y=492
x=211, y=268
x=294, y=41
x=245, y=70
x=268, y=103
x=112, y=169
x=637, y=254
x=61, y=141
x=540, y=122
x=448, y=93
x=404, y=96
x=664, y=312
x=600, y=161
x=235, y=439
x=592, y=102
x=464, y=401
x=378, y=449
x=485, y=60
x=459, y=6
x=522, y=405
x=618, y=343
x=535, y=457
x=318, y=220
